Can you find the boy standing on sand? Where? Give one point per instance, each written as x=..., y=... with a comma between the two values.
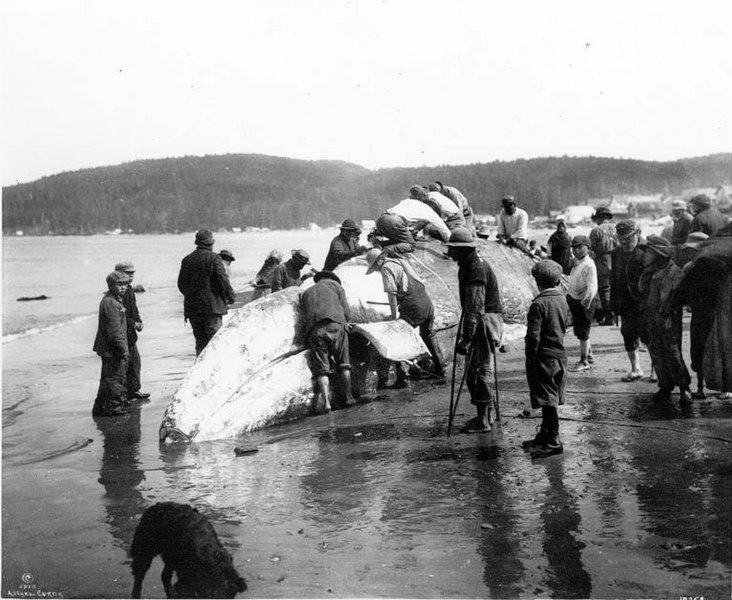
x=111, y=344
x=546, y=360
x=581, y=292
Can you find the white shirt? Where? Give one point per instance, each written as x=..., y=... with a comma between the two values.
x=582, y=283
x=418, y=214
x=447, y=206
x=514, y=226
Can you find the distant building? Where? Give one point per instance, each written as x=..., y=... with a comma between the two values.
x=688, y=194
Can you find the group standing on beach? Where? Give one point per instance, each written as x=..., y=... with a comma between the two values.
x=642, y=282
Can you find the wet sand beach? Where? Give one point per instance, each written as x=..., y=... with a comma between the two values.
x=373, y=501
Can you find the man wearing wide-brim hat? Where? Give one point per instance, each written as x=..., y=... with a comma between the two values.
x=602, y=242
x=206, y=289
x=482, y=327
x=681, y=222
x=662, y=315
x=325, y=315
x=344, y=246
x=287, y=274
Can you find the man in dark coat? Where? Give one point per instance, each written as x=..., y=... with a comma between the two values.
x=603, y=242
x=707, y=218
x=344, y=246
x=134, y=324
x=627, y=267
x=482, y=327
x=206, y=289
x=325, y=316
x=682, y=222
x=111, y=344
x=287, y=274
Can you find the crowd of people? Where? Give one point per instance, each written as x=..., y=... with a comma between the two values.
x=614, y=274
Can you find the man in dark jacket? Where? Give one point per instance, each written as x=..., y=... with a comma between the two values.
x=344, y=246
x=325, y=316
x=707, y=218
x=111, y=344
x=287, y=274
x=682, y=222
x=134, y=324
x=627, y=266
x=206, y=289
x=482, y=325
x=603, y=242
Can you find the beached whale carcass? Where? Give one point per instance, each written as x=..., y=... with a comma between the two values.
x=254, y=371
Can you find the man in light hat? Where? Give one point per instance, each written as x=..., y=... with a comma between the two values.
x=581, y=292
x=681, y=222
x=408, y=300
x=403, y=221
x=707, y=218
x=287, y=274
x=662, y=313
x=111, y=345
x=627, y=267
x=546, y=359
x=603, y=241
x=482, y=328
x=134, y=325
x=513, y=224
x=344, y=246
x=206, y=289
x=325, y=316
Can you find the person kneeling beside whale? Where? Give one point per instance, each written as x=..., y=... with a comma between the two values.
x=325, y=316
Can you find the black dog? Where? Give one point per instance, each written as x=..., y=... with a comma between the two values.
x=189, y=546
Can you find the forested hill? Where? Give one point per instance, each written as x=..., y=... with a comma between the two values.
x=240, y=190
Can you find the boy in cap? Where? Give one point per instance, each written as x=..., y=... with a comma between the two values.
x=111, y=345
x=134, y=325
x=287, y=274
x=662, y=313
x=482, y=328
x=325, y=315
x=513, y=224
x=581, y=292
x=627, y=267
x=206, y=289
x=344, y=246
x=546, y=360
x=602, y=242
x=227, y=257
x=681, y=222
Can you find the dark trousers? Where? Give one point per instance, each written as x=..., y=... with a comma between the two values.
x=479, y=375
x=134, y=364
x=204, y=328
x=112, y=383
x=603, y=265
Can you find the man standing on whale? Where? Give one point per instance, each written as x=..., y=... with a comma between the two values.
x=206, y=289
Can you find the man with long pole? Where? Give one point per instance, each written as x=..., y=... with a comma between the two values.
x=482, y=325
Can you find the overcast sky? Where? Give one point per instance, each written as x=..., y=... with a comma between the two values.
x=380, y=83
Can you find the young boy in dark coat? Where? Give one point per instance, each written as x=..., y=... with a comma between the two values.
x=111, y=344
x=546, y=359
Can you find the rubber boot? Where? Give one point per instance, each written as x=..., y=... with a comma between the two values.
x=537, y=440
x=402, y=381
x=550, y=446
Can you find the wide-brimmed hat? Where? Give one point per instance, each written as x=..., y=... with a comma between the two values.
x=350, y=225
x=659, y=245
x=461, y=237
x=484, y=232
x=371, y=260
x=326, y=275
x=204, y=238
x=227, y=255
x=125, y=266
x=301, y=256
x=694, y=240
x=602, y=211
x=678, y=205
x=626, y=228
x=117, y=277
x=581, y=240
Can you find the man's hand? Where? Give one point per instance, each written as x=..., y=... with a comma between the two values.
x=138, y=326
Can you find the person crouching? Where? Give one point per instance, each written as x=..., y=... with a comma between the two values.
x=546, y=359
x=111, y=345
x=325, y=316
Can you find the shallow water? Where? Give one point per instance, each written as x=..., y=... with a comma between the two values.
x=375, y=501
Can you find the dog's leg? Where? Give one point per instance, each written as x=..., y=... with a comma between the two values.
x=167, y=576
x=140, y=565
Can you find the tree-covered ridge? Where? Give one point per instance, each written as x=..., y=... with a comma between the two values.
x=240, y=190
